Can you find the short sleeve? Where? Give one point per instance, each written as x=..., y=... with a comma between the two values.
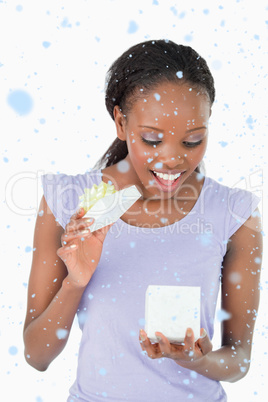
x=62, y=193
x=241, y=205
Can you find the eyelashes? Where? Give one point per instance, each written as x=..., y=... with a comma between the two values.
x=187, y=144
x=192, y=144
x=150, y=142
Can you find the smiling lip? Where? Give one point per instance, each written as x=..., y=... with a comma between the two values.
x=168, y=171
x=166, y=184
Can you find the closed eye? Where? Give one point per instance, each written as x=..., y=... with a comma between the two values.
x=192, y=144
x=149, y=142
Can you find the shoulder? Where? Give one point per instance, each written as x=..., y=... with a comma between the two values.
x=65, y=180
x=216, y=190
x=237, y=204
x=62, y=191
x=226, y=209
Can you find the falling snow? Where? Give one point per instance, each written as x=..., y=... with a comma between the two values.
x=133, y=27
x=223, y=315
x=46, y=44
x=62, y=333
x=20, y=101
x=33, y=93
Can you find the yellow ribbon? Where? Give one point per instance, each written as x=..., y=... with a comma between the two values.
x=95, y=193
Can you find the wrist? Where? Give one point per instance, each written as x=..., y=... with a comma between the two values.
x=71, y=286
x=193, y=364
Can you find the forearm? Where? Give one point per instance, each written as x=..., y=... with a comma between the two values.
x=228, y=363
x=46, y=336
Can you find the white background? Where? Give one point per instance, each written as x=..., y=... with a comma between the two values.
x=68, y=129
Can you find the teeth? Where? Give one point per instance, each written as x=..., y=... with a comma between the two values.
x=165, y=176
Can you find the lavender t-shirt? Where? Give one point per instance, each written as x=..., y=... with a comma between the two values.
x=111, y=364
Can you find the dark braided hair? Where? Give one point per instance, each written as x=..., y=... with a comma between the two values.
x=143, y=67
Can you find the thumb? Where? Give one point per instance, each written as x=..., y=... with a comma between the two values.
x=79, y=213
x=106, y=228
x=204, y=342
x=101, y=233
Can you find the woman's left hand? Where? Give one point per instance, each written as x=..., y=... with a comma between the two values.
x=187, y=352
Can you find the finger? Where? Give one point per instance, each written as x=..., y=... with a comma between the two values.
x=189, y=342
x=204, y=342
x=78, y=224
x=79, y=213
x=63, y=252
x=79, y=234
x=164, y=344
x=153, y=351
x=76, y=216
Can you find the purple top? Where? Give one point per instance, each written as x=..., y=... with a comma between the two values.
x=111, y=364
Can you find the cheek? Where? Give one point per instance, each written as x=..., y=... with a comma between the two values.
x=196, y=155
x=204, y=147
x=139, y=154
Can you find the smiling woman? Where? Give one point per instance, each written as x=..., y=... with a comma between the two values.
x=156, y=136
x=140, y=69
x=159, y=95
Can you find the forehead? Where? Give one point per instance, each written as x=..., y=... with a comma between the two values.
x=172, y=103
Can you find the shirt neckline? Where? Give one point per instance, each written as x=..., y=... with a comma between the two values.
x=166, y=227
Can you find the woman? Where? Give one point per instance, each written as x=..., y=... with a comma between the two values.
x=186, y=229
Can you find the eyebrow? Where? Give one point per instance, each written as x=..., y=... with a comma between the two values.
x=152, y=128
x=188, y=131
x=196, y=129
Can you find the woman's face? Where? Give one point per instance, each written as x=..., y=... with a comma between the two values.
x=166, y=135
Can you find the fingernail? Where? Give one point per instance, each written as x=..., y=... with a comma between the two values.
x=73, y=246
x=142, y=336
x=189, y=332
x=89, y=220
x=159, y=338
x=203, y=333
x=84, y=231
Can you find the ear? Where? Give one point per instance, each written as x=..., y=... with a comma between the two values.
x=120, y=123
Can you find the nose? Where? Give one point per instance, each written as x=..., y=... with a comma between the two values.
x=172, y=160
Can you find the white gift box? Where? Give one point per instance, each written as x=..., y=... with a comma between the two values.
x=109, y=209
x=171, y=310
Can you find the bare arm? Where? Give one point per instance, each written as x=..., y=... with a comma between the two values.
x=61, y=269
x=240, y=298
x=46, y=335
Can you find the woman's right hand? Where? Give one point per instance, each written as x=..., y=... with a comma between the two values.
x=81, y=250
